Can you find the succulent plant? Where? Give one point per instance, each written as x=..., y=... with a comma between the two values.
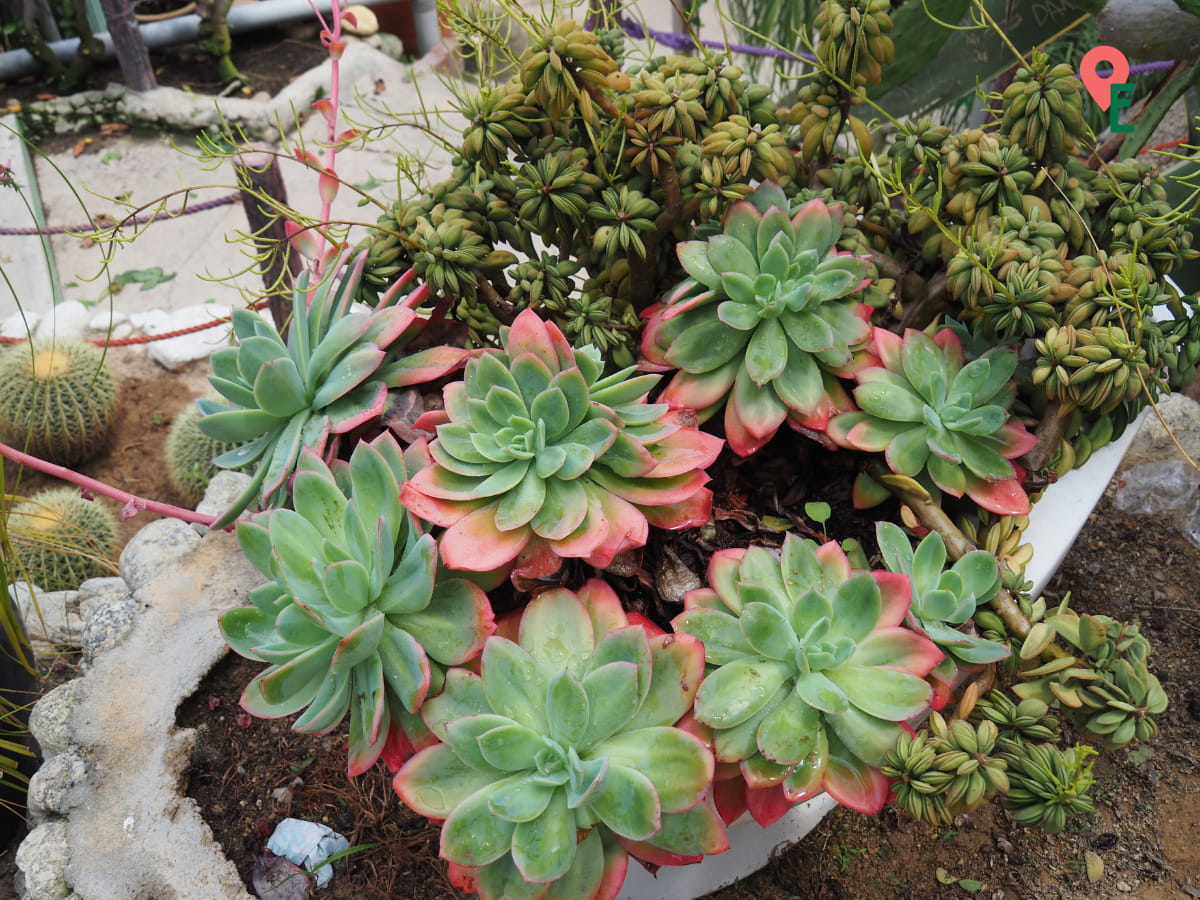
x=59, y=400
x=562, y=754
x=764, y=323
x=61, y=540
x=947, y=769
x=811, y=670
x=943, y=598
x=356, y=617
x=330, y=376
x=538, y=457
x=1105, y=687
x=190, y=453
x=930, y=412
x=1048, y=784
x=1043, y=108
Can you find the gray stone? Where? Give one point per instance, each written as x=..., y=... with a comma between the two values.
x=1181, y=416
x=59, y=785
x=107, y=626
x=51, y=617
x=50, y=718
x=224, y=488
x=96, y=592
x=42, y=860
x=158, y=546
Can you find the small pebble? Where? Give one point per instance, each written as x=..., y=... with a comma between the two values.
x=1124, y=887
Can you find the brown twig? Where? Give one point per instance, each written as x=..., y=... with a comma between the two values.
x=1049, y=434
x=501, y=308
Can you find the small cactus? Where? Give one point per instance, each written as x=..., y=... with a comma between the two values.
x=61, y=539
x=190, y=454
x=59, y=400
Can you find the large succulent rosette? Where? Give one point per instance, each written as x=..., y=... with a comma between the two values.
x=539, y=456
x=764, y=324
x=562, y=755
x=812, y=674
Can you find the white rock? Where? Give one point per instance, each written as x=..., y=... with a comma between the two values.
x=98, y=591
x=171, y=353
x=111, y=323
x=20, y=326
x=1154, y=442
x=50, y=718
x=58, y=786
x=42, y=859
x=157, y=546
x=146, y=322
x=54, y=618
x=68, y=320
x=225, y=487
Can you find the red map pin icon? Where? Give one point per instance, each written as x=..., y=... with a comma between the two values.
x=1099, y=85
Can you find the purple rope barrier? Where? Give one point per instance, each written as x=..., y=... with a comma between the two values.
x=681, y=41
x=137, y=220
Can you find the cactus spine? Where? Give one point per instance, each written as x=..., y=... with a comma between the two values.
x=59, y=400
x=62, y=540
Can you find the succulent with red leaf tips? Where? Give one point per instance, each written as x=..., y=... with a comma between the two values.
x=811, y=673
x=932, y=413
x=356, y=618
x=539, y=457
x=764, y=322
x=561, y=756
x=331, y=375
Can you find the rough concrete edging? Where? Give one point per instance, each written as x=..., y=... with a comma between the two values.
x=111, y=820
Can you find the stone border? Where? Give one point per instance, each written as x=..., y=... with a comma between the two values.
x=109, y=817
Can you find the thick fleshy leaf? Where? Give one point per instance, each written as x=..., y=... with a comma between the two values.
x=790, y=731
x=767, y=352
x=544, y=848
x=435, y=781
x=405, y=667
x=720, y=633
x=238, y=425
x=359, y=645
x=819, y=691
x=856, y=607
x=739, y=689
x=556, y=631
x=453, y=627
x=706, y=346
x=677, y=763
x=473, y=836
x=1005, y=497
x=768, y=631
x=853, y=785
x=511, y=747
x=278, y=388
x=246, y=628
x=567, y=709
x=514, y=684
x=627, y=803
x=884, y=692
x=328, y=707
x=475, y=544
x=283, y=690
x=613, y=695
x=888, y=400
x=806, y=779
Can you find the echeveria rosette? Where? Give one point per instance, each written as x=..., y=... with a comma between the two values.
x=539, y=457
x=331, y=375
x=764, y=323
x=944, y=599
x=562, y=755
x=812, y=673
x=356, y=618
x=933, y=414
